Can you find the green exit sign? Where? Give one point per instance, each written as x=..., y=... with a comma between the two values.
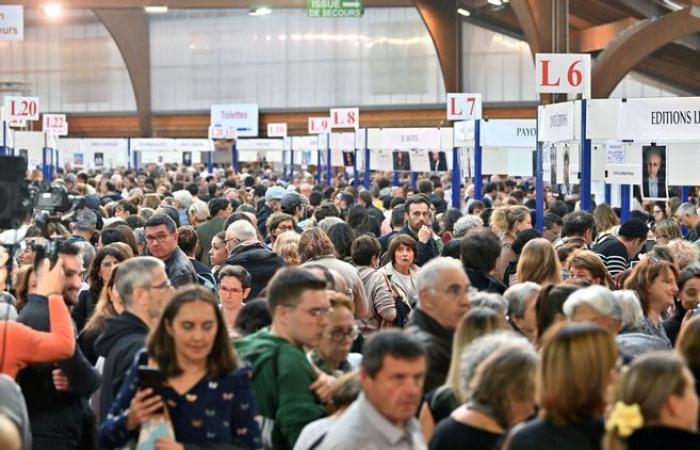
x=335, y=8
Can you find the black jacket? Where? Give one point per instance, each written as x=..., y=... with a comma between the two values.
x=83, y=310
x=260, y=262
x=179, y=269
x=484, y=282
x=426, y=252
x=123, y=337
x=672, y=325
x=539, y=434
x=56, y=417
x=658, y=437
x=262, y=216
x=438, y=345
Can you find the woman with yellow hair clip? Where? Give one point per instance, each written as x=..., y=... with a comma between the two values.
x=655, y=407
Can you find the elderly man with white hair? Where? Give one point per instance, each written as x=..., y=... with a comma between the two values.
x=466, y=223
x=522, y=298
x=246, y=250
x=443, y=298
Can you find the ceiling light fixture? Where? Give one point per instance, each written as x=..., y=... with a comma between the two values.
x=495, y=2
x=260, y=11
x=53, y=11
x=463, y=12
x=155, y=9
x=670, y=4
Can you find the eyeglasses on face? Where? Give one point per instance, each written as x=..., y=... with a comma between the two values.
x=230, y=291
x=338, y=334
x=158, y=237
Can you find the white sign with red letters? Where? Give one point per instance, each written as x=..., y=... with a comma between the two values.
x=56, y=123
x=345, y=118
x=563, y=73
x=463, y=106
x=319, y=125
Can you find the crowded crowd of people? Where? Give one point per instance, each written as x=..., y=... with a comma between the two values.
x=189, y=310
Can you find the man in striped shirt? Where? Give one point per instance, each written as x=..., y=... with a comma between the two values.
x=617, y=251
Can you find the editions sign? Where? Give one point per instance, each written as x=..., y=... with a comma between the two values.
x=11, y=23
x=243, y=117
x=661, y=119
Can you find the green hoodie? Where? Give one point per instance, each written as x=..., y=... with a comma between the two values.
x=281, y=391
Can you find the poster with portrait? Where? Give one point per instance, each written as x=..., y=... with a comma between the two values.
x=186, y=159
x=654, y=172
x=401, y=161
x=437, y=160
x=348, y=158
x=99, y=159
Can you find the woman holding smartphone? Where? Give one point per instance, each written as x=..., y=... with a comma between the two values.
x=208, y=398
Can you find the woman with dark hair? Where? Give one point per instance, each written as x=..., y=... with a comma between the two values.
x=654, y=282
x=108, y=305
x=447, y=223
x=218, y=252
x=209, y=399
x=480, y=251
x=98, y=274
x=342, y=236
x=688, y=299
x=359, y=220
x=233, y=288
x=401, y=270
x=549, y=306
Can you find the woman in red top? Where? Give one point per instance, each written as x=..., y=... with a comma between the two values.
x=21, y=345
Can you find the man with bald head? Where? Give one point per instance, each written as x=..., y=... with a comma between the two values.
x=246, y=250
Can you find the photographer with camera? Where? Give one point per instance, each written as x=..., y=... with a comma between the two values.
x=20, y=345
x=56, y=394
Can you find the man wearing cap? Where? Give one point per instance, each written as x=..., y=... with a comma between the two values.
x=617, y=251
x=273, y=198
x=83, y=226
x=219, y=210
x=294, y=204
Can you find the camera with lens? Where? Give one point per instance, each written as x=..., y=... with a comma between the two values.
x=45, y=250
x=53, y=199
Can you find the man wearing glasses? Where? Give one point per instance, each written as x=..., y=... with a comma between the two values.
x=283, y=379
x=161, y=240
x=144, y=289
x=443, y=299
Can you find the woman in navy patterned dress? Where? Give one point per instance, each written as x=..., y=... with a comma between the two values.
x=209, y=399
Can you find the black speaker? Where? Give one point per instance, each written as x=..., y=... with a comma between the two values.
x=14, y=196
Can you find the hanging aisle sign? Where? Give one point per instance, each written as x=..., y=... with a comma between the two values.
x=21, y=108
x=277, y=130
x=563, y=73
x=11, y=23
x=243, y=117
x=345, y=118
x=194, y=145
x=509, y=133
x=463, y=106
x=405, y=139
x=556, y=122
x=153, y=144
x=260, y=144
x=660, y=119
x=56, y=123
x=301, y=143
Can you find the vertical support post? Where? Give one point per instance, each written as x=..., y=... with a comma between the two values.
x=355, y=177
x=477, y=160
x=210, y=162
x=45, y=170
x=395, y=180
x=367, y=161
x=3, y=149
x=608, y=193
x=234, y=155
x=136, y=159
x=585, y=181
x=318, y=167
x=128, y=154
x=284, y=165
x=539, y=187
x=56, y=162
x=625, y=202
x=291, y=164
x=414, y=180
x=456, y=180
x=328, y=162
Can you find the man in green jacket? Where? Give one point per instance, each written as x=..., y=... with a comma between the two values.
x=283, y=379
x=219, y=210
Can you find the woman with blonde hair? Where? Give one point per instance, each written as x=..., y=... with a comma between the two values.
x=587, y=265
x=539, y=263
x=506, y=222
x=656, y=406
x=439, y=403
x=287, y=246
x=665, y=231
x=605, y=220
x=576, y=369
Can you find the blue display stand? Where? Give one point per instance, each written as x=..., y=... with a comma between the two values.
x=478, y=177
x=367, y=179
x=210, y=162
x=318, y=167
x=456, y=180
x=234, y=155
